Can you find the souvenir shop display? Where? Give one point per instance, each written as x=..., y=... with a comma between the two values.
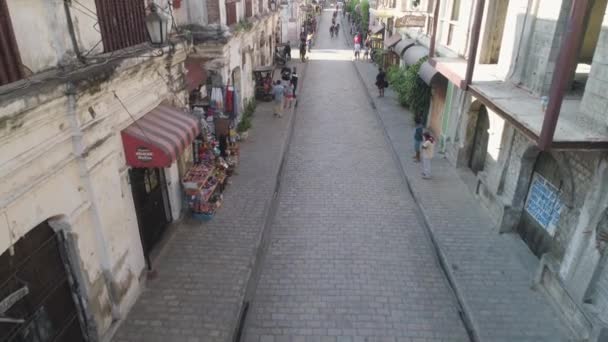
x=215, y=156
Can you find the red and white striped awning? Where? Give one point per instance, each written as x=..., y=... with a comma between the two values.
x=158, y=137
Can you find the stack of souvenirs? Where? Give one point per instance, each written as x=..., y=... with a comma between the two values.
x=215, y=156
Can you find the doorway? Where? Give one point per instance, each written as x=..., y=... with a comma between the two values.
x=151, y=204
x=37, y=301
x=480, y=141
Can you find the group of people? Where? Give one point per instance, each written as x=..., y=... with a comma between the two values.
x=424, y=142
x=305, y=43
x=357, y=46
x=334, y=29
x=424, y=147
x=284, y=92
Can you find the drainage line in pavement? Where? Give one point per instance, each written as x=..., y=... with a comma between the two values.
x=462, y=313
x=269, y=215
x=243, y=315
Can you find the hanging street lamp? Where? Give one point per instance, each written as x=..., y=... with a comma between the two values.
x=157, y=25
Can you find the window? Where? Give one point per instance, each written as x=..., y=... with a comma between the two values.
x=10, y=61
x=260, y=6
x=122, y=23
x=230, y=13
x=248, y=8
x=455, y=10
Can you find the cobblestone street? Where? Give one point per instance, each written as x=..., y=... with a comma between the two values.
x=348, y=259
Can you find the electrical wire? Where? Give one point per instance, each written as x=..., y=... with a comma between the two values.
x=85, y=13
x=85, y=7
x=171, y=90
x=131, y=115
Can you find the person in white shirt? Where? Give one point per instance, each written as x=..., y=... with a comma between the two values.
x=428, y=149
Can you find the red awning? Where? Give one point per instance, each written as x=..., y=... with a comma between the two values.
x=159, y=137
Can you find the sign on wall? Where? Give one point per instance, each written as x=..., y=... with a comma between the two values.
x=411, y=20
x=544, y=203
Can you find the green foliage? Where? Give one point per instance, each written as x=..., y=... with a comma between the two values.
x=411, y=89
x=396, y=78
x=416, y=94
x=379, y=57
x=365, y=14
x=243, y=25
x=250, y=106
x=245, y=123
x=350, y=7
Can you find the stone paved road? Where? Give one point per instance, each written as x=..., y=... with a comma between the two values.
x=348, y=260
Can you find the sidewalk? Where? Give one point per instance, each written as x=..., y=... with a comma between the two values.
x=204, y=272
x=492, y=274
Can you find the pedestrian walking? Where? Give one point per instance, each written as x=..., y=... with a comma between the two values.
x=303, y=52
x=428, y=149
x=278, y=92
x=381, y=82
x=357, y=51
x=418, y=137
x=337, y=29
x=287, y=51
x=294, y=82
x=288, y=96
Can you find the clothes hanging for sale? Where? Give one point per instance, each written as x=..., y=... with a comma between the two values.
x=229, y=103
x=217, y=98
x=236, y=100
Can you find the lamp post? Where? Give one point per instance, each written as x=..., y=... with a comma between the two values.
x=157, y=25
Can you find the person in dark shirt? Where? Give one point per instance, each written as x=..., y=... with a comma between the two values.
x=287, y=50
x=381, y=82
x=303, y=52
x=294, y=81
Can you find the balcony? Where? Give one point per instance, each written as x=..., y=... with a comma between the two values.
x=523, y=109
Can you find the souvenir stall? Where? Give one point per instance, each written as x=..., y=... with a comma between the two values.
x=215, y=153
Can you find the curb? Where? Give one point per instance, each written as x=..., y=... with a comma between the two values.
x=442, y=260
x=268, y=217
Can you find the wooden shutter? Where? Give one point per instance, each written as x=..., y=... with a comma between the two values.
x=248, y=8
x=10, y=61
x=230, y=13
x=122, y=23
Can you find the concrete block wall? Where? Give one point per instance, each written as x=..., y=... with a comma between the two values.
x=519, y=147
x=536, y=60
x=594, y=105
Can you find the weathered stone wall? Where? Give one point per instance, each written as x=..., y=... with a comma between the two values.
x=61, y=155
x=595, y=98
x=536, y=60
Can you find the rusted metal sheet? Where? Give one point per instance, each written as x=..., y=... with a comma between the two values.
x=122, y=23
x=10, y=61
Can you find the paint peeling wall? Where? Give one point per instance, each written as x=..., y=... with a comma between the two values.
x=65, y=157
x=44, y=42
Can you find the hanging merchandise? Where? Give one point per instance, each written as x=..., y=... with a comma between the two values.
x=217, y=99
x=229, y=104
x=236, y=101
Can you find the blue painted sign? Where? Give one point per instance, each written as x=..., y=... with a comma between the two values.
x=544, y=203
